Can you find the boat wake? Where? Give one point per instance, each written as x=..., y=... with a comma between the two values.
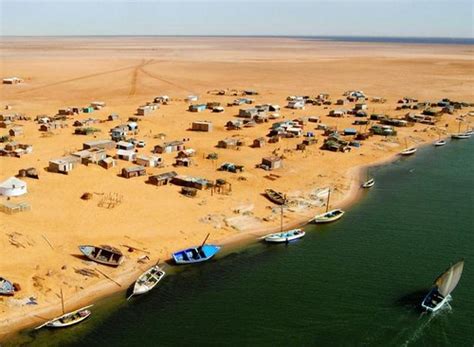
x=426, y=318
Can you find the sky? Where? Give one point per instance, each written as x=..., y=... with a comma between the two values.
x=397, y=18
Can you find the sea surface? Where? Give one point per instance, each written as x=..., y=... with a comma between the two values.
x=355, y=282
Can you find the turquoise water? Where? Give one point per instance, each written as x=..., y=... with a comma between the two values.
x=358, y=281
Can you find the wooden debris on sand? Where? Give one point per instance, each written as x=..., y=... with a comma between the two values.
x=110, y=200
x=86, y=272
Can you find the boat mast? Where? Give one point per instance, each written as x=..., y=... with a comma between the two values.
x=204, y=242
x=62, y=301
x=327, y=202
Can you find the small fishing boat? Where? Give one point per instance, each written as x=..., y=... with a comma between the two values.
x=368, y=184
x=329, y=216
x=285, y=236
x=148, y=280
x=460, y=136
x=276, y=197
x=469, y=132
x=408, y=151
x=440, y=143
x=6, y=287
x=442, y=288
x=68, y=319
x=103, y=254
x=198, y=254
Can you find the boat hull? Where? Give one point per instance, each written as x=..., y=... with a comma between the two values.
x=148, y=280
x=88, y=251
x=440, y=143
x=461, y=136
x=409, y=151
x=275, y=196
x=58, y=324
x=369, y=184
x=195, y=255
x=434, y=301
x=285, y=237
x=328, y=217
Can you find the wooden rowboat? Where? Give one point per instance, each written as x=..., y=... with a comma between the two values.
x=408, y=151
x=330, y=216
x=148, y=280
x=285, y=236
x=368, y=184
x=103, y=254
x=276, y=197
x=68, y=319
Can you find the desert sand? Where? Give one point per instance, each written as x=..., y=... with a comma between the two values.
x=126, y=73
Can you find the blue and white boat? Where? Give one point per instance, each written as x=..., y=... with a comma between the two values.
x=285, y=236
x=6, y=287
x=195, y=254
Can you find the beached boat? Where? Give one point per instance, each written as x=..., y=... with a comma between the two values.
x=103, y=254
x=285, y=236
x=276, y=197
x=6, y=287
x=329, y=216
x=460, y=136
x=197, y=254
x=440, y=143
x=68, y=319
x=148, y=280
x=408, y=151
x=369, y=183
x=440, y=293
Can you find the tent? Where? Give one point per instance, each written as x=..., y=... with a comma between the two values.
x=13, y=187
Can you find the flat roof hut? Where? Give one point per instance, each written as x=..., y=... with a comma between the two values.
x=133, y=171
x=271, y=163
x=162, y=179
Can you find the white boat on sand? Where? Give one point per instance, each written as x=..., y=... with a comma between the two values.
x=148, y=280
x=67, y=319
x=285, y=236
x=442, y=288
x=330, y=216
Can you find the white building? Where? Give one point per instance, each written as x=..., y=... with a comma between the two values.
x=13, y=187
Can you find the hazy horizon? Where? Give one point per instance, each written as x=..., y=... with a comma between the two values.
x=348, y=18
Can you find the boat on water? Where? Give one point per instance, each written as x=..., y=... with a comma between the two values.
x=330, y=216
x=197, y=254
x=369, y=183
x=408, y=151
x=103, y=254
x=276, y=197
x=148, y=280
x=439, y=143
x=460, y=136
x=285, y=236
x=67, y=319
x=442, y=288
x=6, y=287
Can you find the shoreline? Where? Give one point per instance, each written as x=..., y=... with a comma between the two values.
x=99, y=291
